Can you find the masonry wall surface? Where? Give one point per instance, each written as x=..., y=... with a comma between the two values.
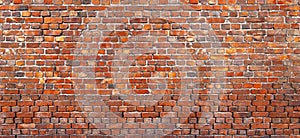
x=157, y=68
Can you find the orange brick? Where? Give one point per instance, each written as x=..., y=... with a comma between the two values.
x=193, y=1
x=52, y=32
x=215, y=20
x=52, y=20
x=34, y=20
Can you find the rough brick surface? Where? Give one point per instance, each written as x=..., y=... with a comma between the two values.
x=193, y=68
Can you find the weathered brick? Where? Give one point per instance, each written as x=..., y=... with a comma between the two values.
x=42, y=114
x=52, y=32
x=255, y=20
x=250, y=8
x=222, y=126
x=150, y=114
x=132, y=114
x=72, y=20
x=138, y=20
x=61, y=114
x=34, y=20
x=215, y=20
x=260, y=126
x=26, y=126
x=33, y=32
x=14, y=20
x=52, y=20
x=25, y=114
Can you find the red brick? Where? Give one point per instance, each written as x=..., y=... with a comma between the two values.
x=38, y=8
x=215, y=20
x=72, y=20
x=82, y=125
x=43, y=103
x=242, y=114
x=14, y=20
x=141, y=91
x=250, y=8
x=26, y=126
x=96, y=8
x=51, y=91
x=157, y=20
x=7, y=126
x=25, y=114
x=260, y=126
x=285, y=2
x=122, y=33
x=271, y=1
x=42, y=114
x=293, y=126
x=7, y=103
x=138, y=20
x=132, y=114
x=222, y=126
x=193, y=1
x=52, y=32
x=255, y=20
x=150, y=114
x=34, y=20
x=114, y=103
x=212, y=8
x=223, y=114
x=260, y=103
x=281, y=126
x=63, y=126
x=241, y=126
x=17, y=1
x=7, y=115
x=61, y=114
x=279, y=103
x=44, y=126
x=167, y=103
x=52, y=20
x=178, y=33
x=33, y=32
x=25, y=103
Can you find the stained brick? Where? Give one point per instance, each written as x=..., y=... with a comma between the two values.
x=26, y=126
x=34, y=20
x=24, y=114
x=72, y=20
x=14, y=20
x=52, y=32
x=215, y=20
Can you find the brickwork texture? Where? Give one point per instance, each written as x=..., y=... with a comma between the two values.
x=149, y=68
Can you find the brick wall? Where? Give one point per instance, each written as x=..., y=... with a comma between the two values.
x=157, y=68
